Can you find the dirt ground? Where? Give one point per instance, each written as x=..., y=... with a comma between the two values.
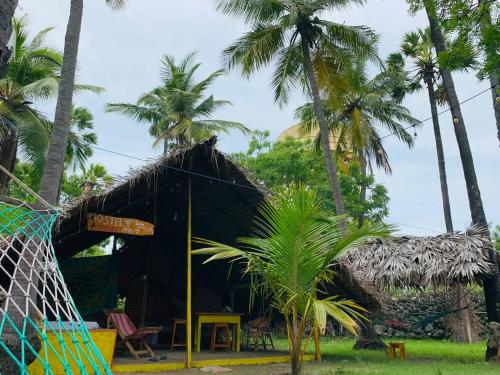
x=274, y=369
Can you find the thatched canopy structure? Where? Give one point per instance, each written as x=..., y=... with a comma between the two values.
x=151, y=271
x=422, y=261
x=225, y=198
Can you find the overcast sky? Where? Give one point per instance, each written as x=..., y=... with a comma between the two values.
x=121, y=52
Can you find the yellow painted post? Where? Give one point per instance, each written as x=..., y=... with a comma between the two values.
x=188, y=291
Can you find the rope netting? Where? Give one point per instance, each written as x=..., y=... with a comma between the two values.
x=41, y=331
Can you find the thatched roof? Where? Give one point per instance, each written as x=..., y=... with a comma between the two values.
x=225, y=197
x=422, y=261
x=225, y=202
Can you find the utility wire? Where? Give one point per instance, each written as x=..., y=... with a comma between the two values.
x=234, y=183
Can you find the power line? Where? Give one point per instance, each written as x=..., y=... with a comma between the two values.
x=304, y=137
x=234, y=183
x=445, y=110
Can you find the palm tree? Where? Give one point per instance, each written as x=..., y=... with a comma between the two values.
x=32, y=76
x=355, y=113
x=7, y=9
x=289, y=260
x=81, y=138
x=418, y=48
x=178, y=109
x=304, y=47
x=54, y=166
x=478, y=216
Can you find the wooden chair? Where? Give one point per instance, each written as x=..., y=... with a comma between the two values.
x=174, y=329
x=259, y=331
x=224, y=327
x=128, y=333
x=394, y=347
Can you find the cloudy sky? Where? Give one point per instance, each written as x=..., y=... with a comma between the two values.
x=121, y=52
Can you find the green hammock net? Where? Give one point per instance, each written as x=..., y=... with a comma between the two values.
x=41, y=331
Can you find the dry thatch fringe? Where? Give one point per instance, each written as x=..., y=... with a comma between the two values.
x=422, y=261
x=179, y=158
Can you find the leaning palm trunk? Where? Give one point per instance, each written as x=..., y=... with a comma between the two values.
x=331, y=168
x=494, y=74
x=59, y=137
x=7, y=9
x=55, y=159
x=367, y=339
x=440, y=156
x=462, y=327
x=490, y=283
x=8, y=152
x=495, y=85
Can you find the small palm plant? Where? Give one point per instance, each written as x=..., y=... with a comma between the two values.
x=289, y=260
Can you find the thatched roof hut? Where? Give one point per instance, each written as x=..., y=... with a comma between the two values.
x=422, y=261
x=225, y=197
x=151, y=271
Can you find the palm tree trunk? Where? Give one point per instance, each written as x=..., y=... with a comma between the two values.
x=54, y=165
x=494, y=74
x=495, y=85
x=57, y=149
x=8, y=154
x=7, y=9
x=490, y=283
x=23, y=290
x=362, y=192
x=440, y=156
x=165, y=146
x=331, y=168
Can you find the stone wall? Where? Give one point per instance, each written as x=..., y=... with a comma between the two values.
x=422, y=316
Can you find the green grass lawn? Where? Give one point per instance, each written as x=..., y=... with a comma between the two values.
x=424, y=357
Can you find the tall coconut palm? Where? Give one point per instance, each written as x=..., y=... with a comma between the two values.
x=355, y=115
x=290, y=259
x=304, y=48
x=50, y=183
x=7, y=9
x=490, y=283
x=54, y=166
x=32, y=76
x=417, y=47
x=178, y=110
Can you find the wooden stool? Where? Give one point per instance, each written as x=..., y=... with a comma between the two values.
x=393, y=346
x=223, y=327
x=174, y=344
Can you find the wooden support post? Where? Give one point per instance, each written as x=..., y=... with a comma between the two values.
x=188, y=291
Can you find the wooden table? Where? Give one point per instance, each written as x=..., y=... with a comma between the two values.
x=210, y=318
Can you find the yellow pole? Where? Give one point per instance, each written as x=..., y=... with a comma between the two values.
x=188, y=291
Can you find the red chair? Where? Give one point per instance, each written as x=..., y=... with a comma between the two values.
x=128, y=333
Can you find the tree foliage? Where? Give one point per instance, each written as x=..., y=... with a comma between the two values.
x=178, y=110
x=291, y=162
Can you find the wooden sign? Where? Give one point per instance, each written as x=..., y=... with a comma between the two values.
x=111, y=224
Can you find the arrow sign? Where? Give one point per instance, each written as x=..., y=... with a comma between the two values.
x=124, y=225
